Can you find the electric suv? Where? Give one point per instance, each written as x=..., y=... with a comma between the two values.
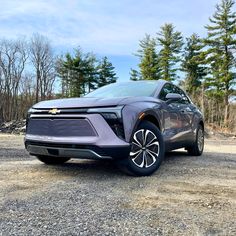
x=134, y=123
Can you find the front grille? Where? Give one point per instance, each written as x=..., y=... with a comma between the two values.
x=60, y=127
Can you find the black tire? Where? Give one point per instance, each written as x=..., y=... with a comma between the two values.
x=197, y=148
x=50, y=160
x=151, y=153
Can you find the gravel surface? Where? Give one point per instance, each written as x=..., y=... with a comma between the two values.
x=186, y=196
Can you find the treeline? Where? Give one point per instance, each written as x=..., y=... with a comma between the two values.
x=19, y=86
x=83, y=72
x=30, y=71
x=208, y=65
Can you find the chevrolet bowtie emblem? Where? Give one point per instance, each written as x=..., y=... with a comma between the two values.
x=54, y=111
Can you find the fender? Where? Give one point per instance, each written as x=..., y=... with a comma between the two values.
x=132, y=113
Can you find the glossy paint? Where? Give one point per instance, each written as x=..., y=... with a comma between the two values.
x=177, y=121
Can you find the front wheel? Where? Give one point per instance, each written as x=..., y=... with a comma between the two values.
x=50, y=160
x=147, y=150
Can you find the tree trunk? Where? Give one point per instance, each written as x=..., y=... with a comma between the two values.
x=37, y=86
x=226, y=116
x=202, y=101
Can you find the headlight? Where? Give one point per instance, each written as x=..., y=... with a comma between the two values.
x=30, y=111
x=113, y=117
x=108, y=112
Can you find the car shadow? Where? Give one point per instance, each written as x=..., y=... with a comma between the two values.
x=175, y=155
x=78, y=167
x=105, y=167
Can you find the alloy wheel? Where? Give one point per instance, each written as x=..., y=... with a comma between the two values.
x=145, y=148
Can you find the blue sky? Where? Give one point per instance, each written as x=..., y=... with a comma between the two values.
x=107, y=28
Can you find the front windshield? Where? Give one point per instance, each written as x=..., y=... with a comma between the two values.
x=128, y=89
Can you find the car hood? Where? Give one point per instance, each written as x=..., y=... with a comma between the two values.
x=86, y=102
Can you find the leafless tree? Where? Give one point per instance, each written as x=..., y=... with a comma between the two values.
x=13, y=57
x=26, y=96
x=41, y=55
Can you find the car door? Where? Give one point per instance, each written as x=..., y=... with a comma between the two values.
x=172, y=119
x=186, y=112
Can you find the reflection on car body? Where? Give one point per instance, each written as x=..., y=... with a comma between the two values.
x=134, y=123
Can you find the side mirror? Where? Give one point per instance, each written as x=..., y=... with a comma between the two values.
x=173, y=97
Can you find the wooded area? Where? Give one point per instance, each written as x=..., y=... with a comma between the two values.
x=30, y=71
x=208, y=65
x=20, y=87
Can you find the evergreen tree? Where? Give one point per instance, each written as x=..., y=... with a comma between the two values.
x=149, y=68
x=62, y=74
x=78, y=73
x=91, y=72
x=192, y=64
x=70, y=78
x=221, y=44
x=134, y=75
x=170, y=42
x=106, y=73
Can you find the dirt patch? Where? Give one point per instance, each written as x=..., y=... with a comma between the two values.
x=186, y=196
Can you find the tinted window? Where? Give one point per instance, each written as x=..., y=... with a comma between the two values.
x=185, y=99
x=129, y=89
x=168, y=88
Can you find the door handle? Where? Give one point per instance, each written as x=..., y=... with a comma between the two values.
x=186, y=110
x=183, y=111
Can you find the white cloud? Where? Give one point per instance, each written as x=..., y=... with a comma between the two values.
x=105, y=27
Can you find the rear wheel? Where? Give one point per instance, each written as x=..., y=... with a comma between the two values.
x=147, y=150
x=50, y=160
x=197, y=148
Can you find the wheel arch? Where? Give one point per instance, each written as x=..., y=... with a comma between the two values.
x=151, y=118
x=133, y=114
x=201, y=123
x=146, y=116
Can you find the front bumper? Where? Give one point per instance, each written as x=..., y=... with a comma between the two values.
x=103, y=145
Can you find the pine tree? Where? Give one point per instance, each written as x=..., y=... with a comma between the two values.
x=62, y=73
x=221, y=44
x=70, y=77
x=192, y=64
x=134, y=75
x=170, y=42
x=106, y=73
x=80, y=69
x=149, y=68
x=78, y=73
x=91, y=72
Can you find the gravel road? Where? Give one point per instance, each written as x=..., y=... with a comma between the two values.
x=186, y=196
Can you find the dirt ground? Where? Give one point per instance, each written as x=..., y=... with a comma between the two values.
x=186, y=196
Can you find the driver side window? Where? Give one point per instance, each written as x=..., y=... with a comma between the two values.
x=185, y=99
x=168, y=88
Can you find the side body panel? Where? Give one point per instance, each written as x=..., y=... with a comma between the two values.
x=178, y=127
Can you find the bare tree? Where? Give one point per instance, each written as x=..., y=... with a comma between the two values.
x=13, y=57
x=26, y=93
x=42, y=58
